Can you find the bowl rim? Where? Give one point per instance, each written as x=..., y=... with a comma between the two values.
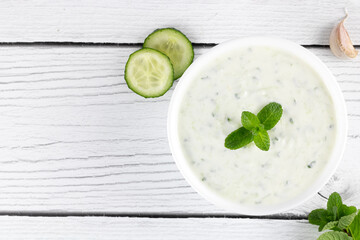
x=328, y=80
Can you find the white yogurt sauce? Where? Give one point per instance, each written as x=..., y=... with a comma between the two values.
x=247, y=79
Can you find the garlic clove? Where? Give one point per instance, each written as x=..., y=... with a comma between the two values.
x=340, y=42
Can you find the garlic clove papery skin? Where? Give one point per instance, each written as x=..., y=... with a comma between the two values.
x=340, y=42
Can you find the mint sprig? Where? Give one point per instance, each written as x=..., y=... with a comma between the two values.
x=255, y=128
x=344, y=221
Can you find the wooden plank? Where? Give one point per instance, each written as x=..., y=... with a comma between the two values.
x=74, y=138
x=106, y=228
x=111, y=21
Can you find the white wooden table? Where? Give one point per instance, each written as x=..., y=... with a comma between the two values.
x=82, y=157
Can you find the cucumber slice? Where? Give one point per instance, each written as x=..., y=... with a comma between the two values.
x=175, y=45
x=149, y=73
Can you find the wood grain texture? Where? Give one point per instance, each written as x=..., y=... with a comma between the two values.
x=102, y=228
x=204, y=21
x=74, y=138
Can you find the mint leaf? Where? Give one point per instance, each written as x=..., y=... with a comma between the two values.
x=345, y=210
x=355, y=227
x=238, y=138
x=334, y=205
x=334, y=236
x=345, y=221
x=249, y=120
x=319, y=217
x=270, y=115
x=330, y=225
x=262, y=140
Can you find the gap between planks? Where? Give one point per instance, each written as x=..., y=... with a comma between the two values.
x=147, y=215
x=92, y=44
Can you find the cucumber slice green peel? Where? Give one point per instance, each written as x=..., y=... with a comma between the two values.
x=149, y=73
x=173, y=44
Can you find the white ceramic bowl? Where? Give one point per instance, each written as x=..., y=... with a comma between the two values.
x=284, y=45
